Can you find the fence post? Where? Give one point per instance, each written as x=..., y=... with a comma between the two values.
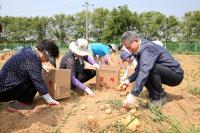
x=195, y=48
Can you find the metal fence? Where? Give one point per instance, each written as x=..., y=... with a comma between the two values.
x=184, y=48
x=180, y=48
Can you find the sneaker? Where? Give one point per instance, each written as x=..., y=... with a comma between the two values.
x=160, y=102
x=14, y=106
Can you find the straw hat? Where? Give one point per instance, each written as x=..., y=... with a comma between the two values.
x=80, y=47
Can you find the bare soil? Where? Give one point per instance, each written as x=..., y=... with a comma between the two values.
x=182, y=111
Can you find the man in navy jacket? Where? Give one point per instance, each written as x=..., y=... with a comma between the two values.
x=155, y=67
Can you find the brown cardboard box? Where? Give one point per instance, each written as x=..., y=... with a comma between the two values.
x=2, y=57
x=108, y=77
x=58, y=82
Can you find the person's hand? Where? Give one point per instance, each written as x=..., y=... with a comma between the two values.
x=130, y=100
x=89, y=92
x=49, y=100
x=124, y=84
x=96, y=66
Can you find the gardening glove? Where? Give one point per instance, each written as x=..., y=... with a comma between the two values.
x=49, y=100
x=96, y=66
x=124, y=84
x=89, y=92
x=130, y=100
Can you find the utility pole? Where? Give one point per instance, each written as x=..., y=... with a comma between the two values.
x=86, y=14
x=86, y=4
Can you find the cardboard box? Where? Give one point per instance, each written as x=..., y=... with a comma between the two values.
x=108, y=77
x=2, y=57
x=58, y=82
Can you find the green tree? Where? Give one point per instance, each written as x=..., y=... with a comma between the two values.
x=80, y=25
x=7, y=28
x=171, y=28
x=119, y=21
x=98, y=21
x=191, y=26
x=40, y=25
x=60, y=21
x=152, y=25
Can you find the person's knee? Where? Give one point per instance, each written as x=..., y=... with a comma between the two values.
x=156, y=69
x=93, y=73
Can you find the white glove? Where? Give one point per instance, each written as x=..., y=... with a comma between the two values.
x=49, y=100
x=89, y=92
x=130, y=99
x=96, y=66
x=126, y=82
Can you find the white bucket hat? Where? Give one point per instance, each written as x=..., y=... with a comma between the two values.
x=113, y=47
x=80, y=47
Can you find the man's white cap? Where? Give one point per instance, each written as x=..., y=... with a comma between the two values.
x=80, y=47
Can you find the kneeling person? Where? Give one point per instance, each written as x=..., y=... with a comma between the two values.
x=155, y=67
x=74, y=60
x=21, y=77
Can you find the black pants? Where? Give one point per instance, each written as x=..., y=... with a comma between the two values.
x=86, y=75
x=161, y=74
x=24, y=92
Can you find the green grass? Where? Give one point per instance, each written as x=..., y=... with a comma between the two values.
x=195, y=91
x=158, y=116
x=192, y=89
x=174, y=126
x=197, y=110
x=115, y=127
x=114, y=103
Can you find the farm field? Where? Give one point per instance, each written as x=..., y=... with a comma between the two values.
x=85, y=114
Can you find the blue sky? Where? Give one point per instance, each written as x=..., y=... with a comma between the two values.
x=52, y=7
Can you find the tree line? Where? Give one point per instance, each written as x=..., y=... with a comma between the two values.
x=104, y=26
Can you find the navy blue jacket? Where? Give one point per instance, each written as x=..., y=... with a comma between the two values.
x=148, y=55
x=22, y=67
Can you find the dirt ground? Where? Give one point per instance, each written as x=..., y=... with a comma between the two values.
x=180, y=114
